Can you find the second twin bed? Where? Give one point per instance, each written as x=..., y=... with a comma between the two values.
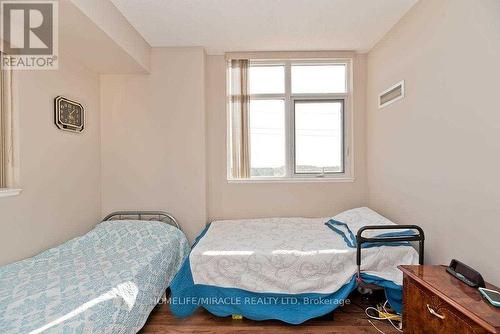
x=290, y=269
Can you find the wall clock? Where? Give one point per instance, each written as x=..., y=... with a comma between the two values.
x=69, y=115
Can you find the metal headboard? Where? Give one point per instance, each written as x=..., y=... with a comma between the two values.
x=160, y=216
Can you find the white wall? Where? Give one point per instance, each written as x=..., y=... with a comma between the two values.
x=434, y=157
x=59, y=171
x=153, y=138
x=226, y=201
x=90, y=25
x=162, y=149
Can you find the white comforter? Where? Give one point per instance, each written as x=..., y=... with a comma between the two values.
x=292, y=255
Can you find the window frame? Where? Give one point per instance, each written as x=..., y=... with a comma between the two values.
x=347, y=175
x=9, y=93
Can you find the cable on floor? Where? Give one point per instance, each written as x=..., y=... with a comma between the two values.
x=385, y=315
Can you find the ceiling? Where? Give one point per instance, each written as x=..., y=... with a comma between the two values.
x=264, y=25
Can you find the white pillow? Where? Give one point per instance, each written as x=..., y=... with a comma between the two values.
x=359, y=217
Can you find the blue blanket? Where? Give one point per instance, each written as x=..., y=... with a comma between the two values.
x=106, y=281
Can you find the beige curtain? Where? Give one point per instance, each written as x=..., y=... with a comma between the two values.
x=239, y=104
x=6, y=127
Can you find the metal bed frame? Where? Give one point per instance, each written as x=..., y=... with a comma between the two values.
x=160, y=216
x=360, y=240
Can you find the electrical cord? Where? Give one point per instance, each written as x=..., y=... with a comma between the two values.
x=387, y=316
x=375, y=327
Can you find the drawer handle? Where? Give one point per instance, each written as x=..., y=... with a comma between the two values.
x=431, y=311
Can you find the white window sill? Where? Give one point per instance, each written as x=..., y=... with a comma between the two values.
x=294, y=180
x=9, y=192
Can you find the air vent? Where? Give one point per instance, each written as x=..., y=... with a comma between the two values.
x=392, y=94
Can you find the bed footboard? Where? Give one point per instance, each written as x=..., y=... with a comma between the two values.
x=419, y=236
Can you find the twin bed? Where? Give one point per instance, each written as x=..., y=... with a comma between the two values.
x=291, y=269
x=106, y=281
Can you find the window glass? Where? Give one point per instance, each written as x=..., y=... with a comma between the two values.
x=266, y=79
x=297, y=119
x=318, y=79
x=318, y=137
x=267, y=138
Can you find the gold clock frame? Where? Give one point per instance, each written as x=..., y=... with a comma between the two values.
x=57, y=115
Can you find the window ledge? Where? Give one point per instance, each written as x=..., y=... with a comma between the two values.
x=294, y=180
x=9, y=192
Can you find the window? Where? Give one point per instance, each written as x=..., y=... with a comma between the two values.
x=6, y=126
x=318, y=136
x=289, y=119
x=267, y=138
x=318, y=78
x=7, y=147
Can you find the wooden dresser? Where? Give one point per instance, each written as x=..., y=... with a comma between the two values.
x=436, y=302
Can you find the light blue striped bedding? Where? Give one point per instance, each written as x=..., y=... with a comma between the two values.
x=106, y=281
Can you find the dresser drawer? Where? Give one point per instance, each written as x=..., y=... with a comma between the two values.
x=426, y=313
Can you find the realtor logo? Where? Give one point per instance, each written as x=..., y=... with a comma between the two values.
x=29, y=31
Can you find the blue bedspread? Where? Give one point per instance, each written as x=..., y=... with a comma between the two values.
x=224, y=300
x=106, y=281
